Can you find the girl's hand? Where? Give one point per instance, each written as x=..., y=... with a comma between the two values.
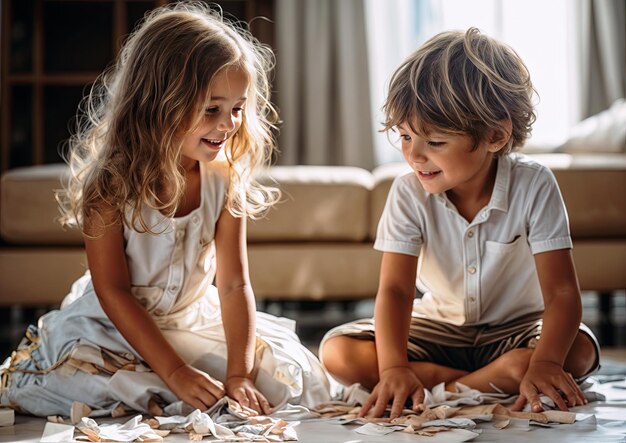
x=550, y=379
x=243, y=390
x=195, y=387
x=397, y=384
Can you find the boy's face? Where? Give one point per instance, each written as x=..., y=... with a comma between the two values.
x=222, y=118
x=447, y=162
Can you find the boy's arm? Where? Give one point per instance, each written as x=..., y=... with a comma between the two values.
x=561, y=319
x=392, y=317
x=238, y=310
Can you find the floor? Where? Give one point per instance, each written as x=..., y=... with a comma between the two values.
x=610, y=414
x=609, y=425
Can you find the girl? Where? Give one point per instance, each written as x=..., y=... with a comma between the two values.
x=483, y=231
x=162, y=218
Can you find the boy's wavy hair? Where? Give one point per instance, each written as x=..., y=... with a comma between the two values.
x=127, y=145
x=462, y=82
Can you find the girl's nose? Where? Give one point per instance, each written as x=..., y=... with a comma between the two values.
x=227, y=123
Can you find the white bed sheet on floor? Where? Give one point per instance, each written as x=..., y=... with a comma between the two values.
x=610, y=426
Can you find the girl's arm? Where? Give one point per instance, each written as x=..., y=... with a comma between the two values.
x=238, y=310
x=392, y=317
x=561, y=320
x=109, y=273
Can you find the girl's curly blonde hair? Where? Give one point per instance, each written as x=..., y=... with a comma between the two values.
x=127, y=145
x=463, y=82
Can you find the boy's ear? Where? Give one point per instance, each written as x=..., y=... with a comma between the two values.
x=500, y=137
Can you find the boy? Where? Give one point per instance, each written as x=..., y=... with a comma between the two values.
x=485, y=234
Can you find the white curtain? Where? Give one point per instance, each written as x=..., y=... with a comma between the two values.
x=322, y=83
x=395, y=28
x=602, y=43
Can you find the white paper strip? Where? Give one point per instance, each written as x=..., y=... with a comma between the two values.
x=7, y=417
x=57, y=432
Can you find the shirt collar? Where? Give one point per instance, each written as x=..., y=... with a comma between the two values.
x=500, y=195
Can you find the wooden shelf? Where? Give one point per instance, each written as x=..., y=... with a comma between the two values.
x=52, y=50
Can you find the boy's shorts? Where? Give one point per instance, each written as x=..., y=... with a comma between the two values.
x=463, y=347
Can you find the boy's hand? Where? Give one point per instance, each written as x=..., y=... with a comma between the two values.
x=195, y=387
x=550, y=379
x=397, y=384
x=243, y=390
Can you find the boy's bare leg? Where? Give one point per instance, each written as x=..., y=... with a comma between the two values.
x=508, y=370
x=351, y=360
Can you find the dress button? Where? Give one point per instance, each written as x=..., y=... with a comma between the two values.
x=471, y=270
x=195, y=219
x=173, y=288
x=472, y=299
x=179, y=234
x=470, y=234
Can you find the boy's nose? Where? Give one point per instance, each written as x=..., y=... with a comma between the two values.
x=415, y=153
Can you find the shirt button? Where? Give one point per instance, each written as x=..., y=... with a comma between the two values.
x=470, y=234
x=173, y=288
x=195, y=219
x=471, y=270
x=472, y=299
x=179, y=234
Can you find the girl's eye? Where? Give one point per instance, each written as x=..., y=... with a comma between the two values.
x=405, y=137
x=237, y=111
x=212, y=110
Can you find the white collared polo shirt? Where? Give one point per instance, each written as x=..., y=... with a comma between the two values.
x=483, y=271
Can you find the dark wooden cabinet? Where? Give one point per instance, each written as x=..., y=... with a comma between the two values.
x=53, y=50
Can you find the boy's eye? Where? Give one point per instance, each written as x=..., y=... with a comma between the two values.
x=435, y=144
x=212, y=110
x=405, y=137
x=237, y=110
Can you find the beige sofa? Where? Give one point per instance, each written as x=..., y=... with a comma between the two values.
x=317, y=243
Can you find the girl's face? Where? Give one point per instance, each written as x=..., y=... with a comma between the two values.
x=222, y=118
x=446, y=162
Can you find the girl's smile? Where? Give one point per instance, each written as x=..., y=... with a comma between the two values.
x=222, y=117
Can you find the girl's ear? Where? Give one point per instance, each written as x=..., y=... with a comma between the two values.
x=500, y=137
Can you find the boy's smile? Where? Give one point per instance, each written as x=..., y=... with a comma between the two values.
x=447, y=162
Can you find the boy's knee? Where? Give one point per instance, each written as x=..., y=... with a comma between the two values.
x=340, y=356
x=334, y=354
x=582, y=356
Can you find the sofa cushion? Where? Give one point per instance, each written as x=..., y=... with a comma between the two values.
x=29, y=210
x=39, y=276
x=313, y=271
x=383, y=178
x=318, y=204
x=594, y=191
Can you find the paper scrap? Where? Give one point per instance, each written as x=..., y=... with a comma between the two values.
x=57, y=432
x=7, y=417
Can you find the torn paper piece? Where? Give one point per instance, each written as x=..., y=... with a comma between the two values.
x=7, y=417
x=78, y=411
x=57, y=432
x=376, y=429
x=131, y=430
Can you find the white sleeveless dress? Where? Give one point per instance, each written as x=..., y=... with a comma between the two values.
x=77, y=354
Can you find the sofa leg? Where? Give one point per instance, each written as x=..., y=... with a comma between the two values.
x=607, y=326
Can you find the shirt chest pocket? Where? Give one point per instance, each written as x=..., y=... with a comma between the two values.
x=499, y=256
x=503, y=249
